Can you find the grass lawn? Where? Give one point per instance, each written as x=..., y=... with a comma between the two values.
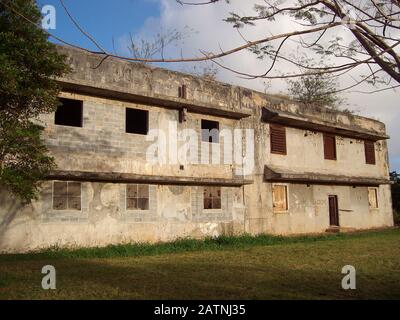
x=263, y=267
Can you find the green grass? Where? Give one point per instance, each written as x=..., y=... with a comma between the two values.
x=180, y=245
x=245, y=267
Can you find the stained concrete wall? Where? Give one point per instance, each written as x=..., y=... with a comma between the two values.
x=308, y=204
x=306, y=154
x=174, y=211
x=308, y=210
x=102, y=145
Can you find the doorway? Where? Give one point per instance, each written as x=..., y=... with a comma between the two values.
x=333, y=211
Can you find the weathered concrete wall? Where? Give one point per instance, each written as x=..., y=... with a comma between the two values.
x=123, y=76
x=308, y=210
x=174, y=212
x=102, y=145
x=305, y=154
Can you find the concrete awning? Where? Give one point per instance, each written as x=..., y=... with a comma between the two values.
x=314, y=124
x=120, y=177
x=152, y=99
x=273, y=175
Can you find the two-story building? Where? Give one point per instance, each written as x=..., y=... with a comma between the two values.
x=134, y=163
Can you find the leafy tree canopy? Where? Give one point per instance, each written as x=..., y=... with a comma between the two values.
x=29, y=63
x=317, y=89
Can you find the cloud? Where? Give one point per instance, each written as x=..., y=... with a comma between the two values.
x=213, y=34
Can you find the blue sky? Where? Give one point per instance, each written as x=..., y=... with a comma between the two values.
x=103, y=19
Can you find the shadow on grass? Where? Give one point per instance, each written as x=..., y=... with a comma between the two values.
x=214, y=275
x=302, y=270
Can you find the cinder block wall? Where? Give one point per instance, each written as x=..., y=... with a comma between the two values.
x=102, y=145
x=174, y=212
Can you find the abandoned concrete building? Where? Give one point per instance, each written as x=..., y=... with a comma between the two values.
x=311, y=169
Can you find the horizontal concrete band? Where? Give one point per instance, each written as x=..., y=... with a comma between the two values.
x=119, y=177
x=310, y=123
x=152, y=99
x=271, y=175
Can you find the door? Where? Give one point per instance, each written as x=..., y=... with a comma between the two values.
x=333, y=211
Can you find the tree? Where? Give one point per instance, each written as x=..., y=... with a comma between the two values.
x=29, y=64
x=395, y=177
x=204, y=70
x=317, y=89
x=373, y=28
x=148, y=48
x=372, y=38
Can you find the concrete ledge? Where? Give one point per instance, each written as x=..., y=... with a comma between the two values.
x=271, y=175
x=311, y=123
x=152, y=99
x=118, y=177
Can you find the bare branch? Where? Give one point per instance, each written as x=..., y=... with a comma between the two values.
x=81, y=29
x=373, y=30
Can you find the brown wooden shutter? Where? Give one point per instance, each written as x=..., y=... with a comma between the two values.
x=279, y=198
x=278, y=139
x=373, y=197
x=369, y=147
x=329, y=147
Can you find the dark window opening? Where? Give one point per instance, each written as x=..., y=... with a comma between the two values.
x=69, y=113
x=369, y=147
x=137, y=121
x=210, y=131
x=182, y=92
x=278, y=139
x=329, y=147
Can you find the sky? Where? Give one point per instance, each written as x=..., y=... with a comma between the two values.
x=112, y=23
